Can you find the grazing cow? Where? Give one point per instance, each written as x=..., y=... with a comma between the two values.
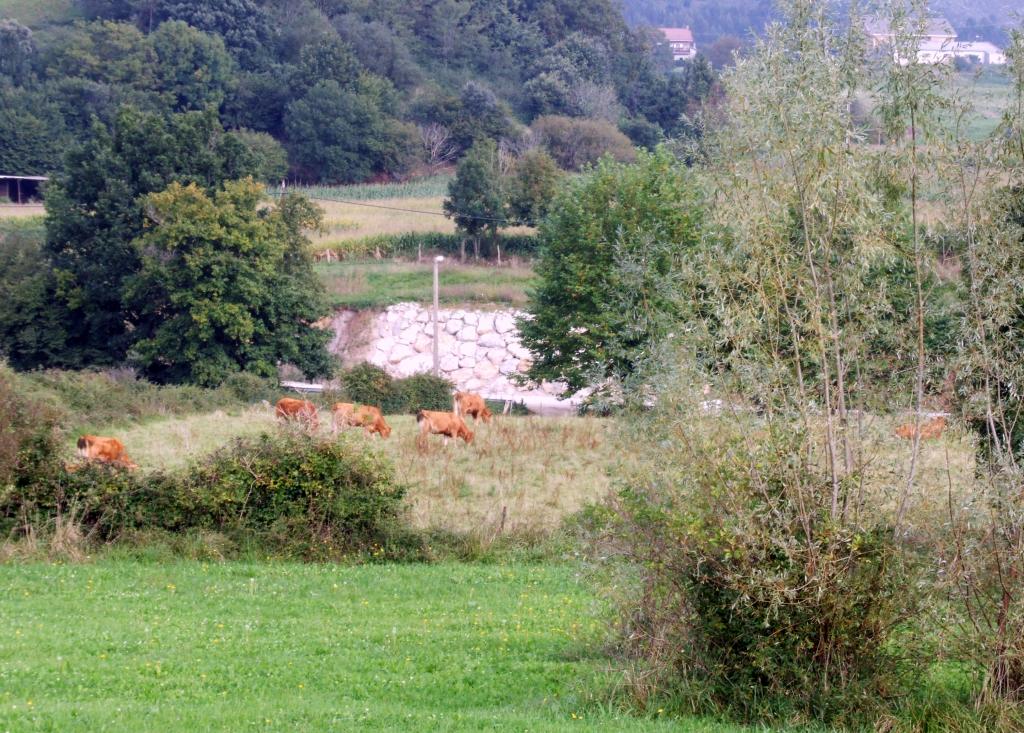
x=359, y=416
x=447, y=424
x=302, y=410
x=468, y=403
x=930, y=430
x=104, y=450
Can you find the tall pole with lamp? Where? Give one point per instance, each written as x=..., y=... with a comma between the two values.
x=437, y=366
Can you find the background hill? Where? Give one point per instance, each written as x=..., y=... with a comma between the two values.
x=351, y=90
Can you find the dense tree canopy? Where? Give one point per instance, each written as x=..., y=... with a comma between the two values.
x=612, y=249
x=224, y=286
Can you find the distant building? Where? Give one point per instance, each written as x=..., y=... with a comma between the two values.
x=21, y=189
x=938, y=43
x=982, y=52
x=680, y=40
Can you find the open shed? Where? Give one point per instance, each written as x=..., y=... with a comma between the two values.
x=21, y=189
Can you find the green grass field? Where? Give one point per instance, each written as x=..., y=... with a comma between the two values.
x=39, y=13
x=127, y=646
x=378, y=284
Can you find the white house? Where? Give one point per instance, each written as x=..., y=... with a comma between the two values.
x=937, y=43
x=981, y=51
x=680, y=40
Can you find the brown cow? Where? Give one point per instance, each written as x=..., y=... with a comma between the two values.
x=104, y=450
x=447, y=424
x=468, y=403
x=359, y=416
x=302, y=410
x=930, y=430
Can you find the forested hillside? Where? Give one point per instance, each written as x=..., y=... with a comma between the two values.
x=328, y=90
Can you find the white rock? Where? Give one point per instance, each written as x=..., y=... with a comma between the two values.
x=447, y=344
x=462, y=376
x=485, y=323
x=473, y=385
x=424, y=343
x=471, y=318
x=415, y=365
x=467, y=362
x=467, y=349
x=449, y=363
x=524, y=366
x=453, y=326
x=409, y=334
x=485, y=370
x=509, y=366
x=519, y=351
x=491, y=341
x=424, y=317
x=503, y=323
x=399, y=352
x=553, y=388
x=497, y=356
x=468, y=334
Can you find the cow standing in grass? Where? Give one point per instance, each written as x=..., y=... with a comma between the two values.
x=347, y=414
x=104, y=450
x=447, y=424
x=469, y=403
x=931, y=430
x=302, y=411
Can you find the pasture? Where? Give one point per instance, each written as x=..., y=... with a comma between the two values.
x=539, y=470
x=378, y=284
x=123, y=645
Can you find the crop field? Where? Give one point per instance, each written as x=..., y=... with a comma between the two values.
x=378, y=284
x=122, y=645
x=988, y=92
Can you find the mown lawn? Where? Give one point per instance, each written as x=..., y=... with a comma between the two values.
x=377, y=284
x=131, y=646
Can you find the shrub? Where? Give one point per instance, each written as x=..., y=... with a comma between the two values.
x=367, y=384
x=425, y=392
x=320, y=499
x=576, y=143
x=746, y=594
x=250, y=388
x=29, y=446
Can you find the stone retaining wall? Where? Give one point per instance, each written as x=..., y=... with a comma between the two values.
x=479, y=351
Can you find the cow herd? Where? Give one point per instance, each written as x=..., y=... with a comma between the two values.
x=371, y=418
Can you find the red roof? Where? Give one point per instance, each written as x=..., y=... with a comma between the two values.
x=678, y=35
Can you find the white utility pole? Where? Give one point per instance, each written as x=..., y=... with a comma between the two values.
x=437, y=366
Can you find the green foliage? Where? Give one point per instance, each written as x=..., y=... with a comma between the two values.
x=225, y=287
x=34, y=132
x=192, y=70
x=575, y=144
x=425, y=392
x=367, y=384
x=16, y=50
x=29, y=440
x=411, y=244
x=475, y=196
x=753, y=599
x=270, y=158
x=613, y=249
x=319, y=499
x=343, y=135
x=33, y=329
x=95, y=213
x=531, y=187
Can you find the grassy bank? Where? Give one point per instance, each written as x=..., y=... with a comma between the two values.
x=268, y=647
x=377, y=284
